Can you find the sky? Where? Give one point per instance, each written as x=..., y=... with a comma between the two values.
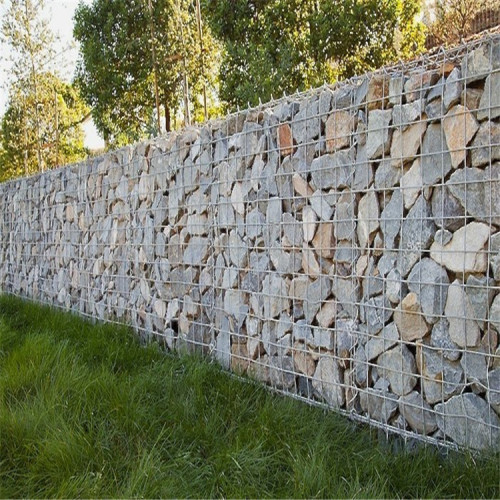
x=60, y=13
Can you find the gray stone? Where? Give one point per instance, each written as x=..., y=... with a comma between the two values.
x=255, y=223
x=323, y=338
x=325, y=103
x=478, y=191
x=441, y=378
x=448, y=213
x=223, y=347
x=333, y=171
x=475, y=366
x=375, y=313
x=485, y=147
x=459, y=126
x=281, y=372
x=381, y=342
x=238, y=251
x=440, y=339
x=345, y=218
x=390, y=219
x=306, y=124
x=272, y=230
x=417, y=232
x=275, y=296
x=395, y=287
x=398, y=366
x=480, y=292
x=405, y=144
x=379, y=404
x=292, y=230
x=436, y=158
x=320, y=206
x=347, y=293
x=453, y=89
x=443, y=236
x=368, y=218
x=196, y=251
x=418, y=84
x=328, y=380
x=469, y=421
x=418, y=413
x=404, y=114
x=316, y=292
x=495, y=313
x=387, y=174
x=302, y=331
x=437, y=90
x=363, y=171
x=378, y=140
x=481, y=61
x=430, y=282
x=396, y=88
x=493, y=392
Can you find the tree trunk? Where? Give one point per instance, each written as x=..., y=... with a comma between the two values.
x=168, y=125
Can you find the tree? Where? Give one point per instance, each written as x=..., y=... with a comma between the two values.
x=276, y=46
x=39, y=128
x=53, y=136
x=127, y=45
x=454, y=19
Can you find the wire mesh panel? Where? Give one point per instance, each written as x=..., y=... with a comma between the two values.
x=341, y=246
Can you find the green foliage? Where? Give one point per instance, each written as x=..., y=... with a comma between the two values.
x=116, y=69
x=276, y=46
x=48, y=123
x=40, y=128
x=86, y=412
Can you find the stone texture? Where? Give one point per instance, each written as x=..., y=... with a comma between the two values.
x=378, y=135
x=436, y=157
x=381, y=342
x=418, y=413
x=368, y=218
x=327, y=382
x=398, y=366
x=285, y=139
x=338, y=130
x=409, y=319
x=469, y=421
x=485, y=147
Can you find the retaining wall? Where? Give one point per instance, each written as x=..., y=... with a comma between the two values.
x=342, y=245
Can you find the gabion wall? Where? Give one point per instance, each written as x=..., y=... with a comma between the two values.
x=342, y=246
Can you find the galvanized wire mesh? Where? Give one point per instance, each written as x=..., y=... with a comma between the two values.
x=341, y=246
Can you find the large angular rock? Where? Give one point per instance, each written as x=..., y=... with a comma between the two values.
x=381, y=405
x=391, y=218
x=405, y=145
x=398, y=366
x=381, y=342
x=417, y=231
x=447, y=211
x=345, y=218
x=441, y=378
x=196, y=251
x=368, y=218
x=306, y=124
x=440, y=339
x=418, y=413
x=285, y=139
x=478, y=191
x=348, y=293
x=459, y=126
x=321, y=206
x=481, y=61
x=411, y=183
x=495, y=313
x=339, y=128
x=292, y=230
x=435, y=157
x=275, y=296
x=315, y=293
x=485, y=147
x=328, y=380
x=375, y=313
x=378, y=139
x=430, y=282
x=480, y=292
x=464, y=330
x=469, y=421
x=493, y=392
x=333, y=171
x=489, y=106
x=409, y=319
x=465, y=252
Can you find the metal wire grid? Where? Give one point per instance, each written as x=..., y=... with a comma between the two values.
x=289, y=260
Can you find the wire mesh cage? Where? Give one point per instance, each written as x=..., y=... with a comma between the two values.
x=341, y=245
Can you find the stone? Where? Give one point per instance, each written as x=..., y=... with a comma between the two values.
x=239, y=358
x=391, y=218
x=441, y=378
x=380, y=405
x=332, y=171
x=435, y=156
x=397, y=365
x=485, y=147
x=411, y=184
x=327, y=313
x=417, y=231
x=275, y=296
x=325, y=103
x=395, y=287
x=292, y=230
x=453, y=89
x=440, y=339
x=443, y=236
x=320, y=206
x=405, y=145
x=345, y=216
x=409, y=319
x=387, y=175
x=368, y=218
x=475, y=366
x=495, y=313
x=379, y=133
x=447, y=211
x=255, y=222
x=381, y=342
x=429, y=281
x=302, y=360
x=459, y=126
x=418, y=413
x=302, y=331
x=238, y=251
x=328, y=380
x=480, y=292
x=481, y=61
x=339, y=128
x=473, y=238
x=272, y=230
x=323, y=241
x=306, y=124
x=310, y=263
x=375, y=312
x=316, y=292
x=347, y=293
x=464, y=330
x=378, y=91
x=309, y=223
x=196, y=251
x=301, y=186
x=285, y=139
x=478, y=191
x=363, y=170
x=404, y=114
x=418, y=84
x=323, y=338
x=396, y=88
x=223, y=348
x=493, y=392
x=469, y=421
x=237, y=198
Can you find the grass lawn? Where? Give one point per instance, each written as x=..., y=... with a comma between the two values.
x=85, y=411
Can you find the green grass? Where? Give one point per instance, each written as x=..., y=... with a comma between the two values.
x=85, y=411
